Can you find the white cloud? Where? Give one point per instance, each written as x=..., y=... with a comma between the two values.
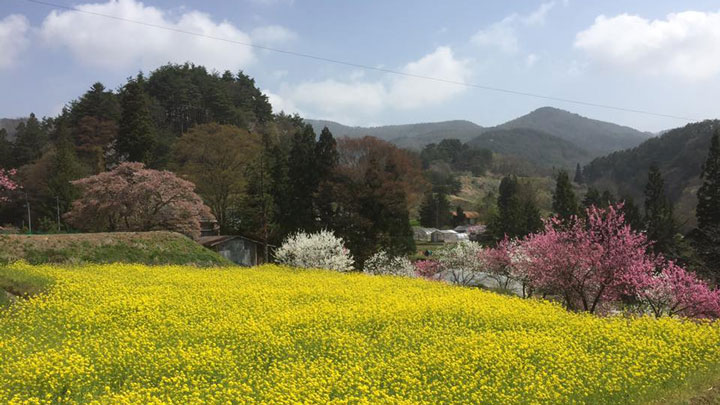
x=13, y=38
x=272, y=35
x=683, y=45
x=102, y=42
x=281, y=104
x=353, y=99
x=503, y=35
x=408, y=92
x=531, y=60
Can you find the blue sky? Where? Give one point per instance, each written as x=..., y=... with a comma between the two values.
x=660, y=56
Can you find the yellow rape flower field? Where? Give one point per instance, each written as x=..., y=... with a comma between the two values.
x=138, y=334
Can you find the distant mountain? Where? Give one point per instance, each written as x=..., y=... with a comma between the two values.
x=538, y=147
x=679, y=153
x=9, y=124
x=597, y=137
x=411, y=136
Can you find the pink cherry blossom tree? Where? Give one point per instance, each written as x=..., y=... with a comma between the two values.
x=589, y=263
x=675, y=291
x=7, y=183
x=133, y=198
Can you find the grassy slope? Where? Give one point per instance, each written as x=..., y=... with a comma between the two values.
x=121, y=247
x=124, y=247
x=132, y=333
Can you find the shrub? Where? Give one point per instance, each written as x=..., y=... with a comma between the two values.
x=322, y=250
x=428, y=269
x=382, y=264
x=461, y=263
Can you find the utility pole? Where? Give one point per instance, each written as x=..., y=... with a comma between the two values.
x=27, y=203
x=57, y=206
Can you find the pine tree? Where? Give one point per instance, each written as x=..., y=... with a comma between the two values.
x=6, y=150
x=459, y=218
x=578, y=175
x=592, y=197
x=708, y=206
x=706, y=238
x=302, y=181
x=30, y=141
x=564, y=201
x=326, y=159
x=65, y=167
x=659, y=221
x=632, y=214
x=428, y=208
x=137, y=136
x=509, y=218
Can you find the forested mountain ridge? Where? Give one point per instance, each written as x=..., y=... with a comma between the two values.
x=597, y=137
x=547, y=136
x=538, y=147
x=679, y=154
x=411, y=136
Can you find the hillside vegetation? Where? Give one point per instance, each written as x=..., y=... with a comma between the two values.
x=597, y=137
x=540, y=148
x=132, y=333
x=678, y=153
x=411, y=136
x=125, y=247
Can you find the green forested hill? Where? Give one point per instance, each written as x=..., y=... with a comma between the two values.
x=597, y=137
x=679, y=153
x=538, y=147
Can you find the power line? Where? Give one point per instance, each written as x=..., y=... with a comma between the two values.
x=367, y=67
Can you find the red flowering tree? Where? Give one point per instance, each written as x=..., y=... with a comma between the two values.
x=598, y=261
x=133, y=198
x=589, y=262
x=676, y=291
x=6, y=183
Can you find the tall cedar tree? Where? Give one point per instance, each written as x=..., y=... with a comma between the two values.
x=564, y=201
x=632, y=214
x=517, y=214
x=302, y=181
x=707, y=235
x=659, y=221
x=137, y=135
x=435, y=210
x=708, y=206
x=257, y=209
x=459, y=218
x=326, y=160
x=65, y=168
x=578, y=175
x=6, y=149
x=30, y=140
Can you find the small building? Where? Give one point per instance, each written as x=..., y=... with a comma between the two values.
x=238, y=249
x=448, y=236
x=470, y=217
x=422, y=234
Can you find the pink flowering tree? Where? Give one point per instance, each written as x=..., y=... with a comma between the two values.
x=429, y=269
x=7, y=183
x=589, y=263
x=507, y=263
x=133, y=198
x=677, y=292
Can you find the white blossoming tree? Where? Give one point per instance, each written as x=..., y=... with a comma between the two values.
x=322, y=250
x=382, y=264
x=461, y=263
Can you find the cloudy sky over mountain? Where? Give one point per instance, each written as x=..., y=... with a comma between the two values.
x=653, y=55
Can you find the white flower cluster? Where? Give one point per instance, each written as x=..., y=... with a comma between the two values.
x=462, y=263
x=322, y=250
x=382, y=264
